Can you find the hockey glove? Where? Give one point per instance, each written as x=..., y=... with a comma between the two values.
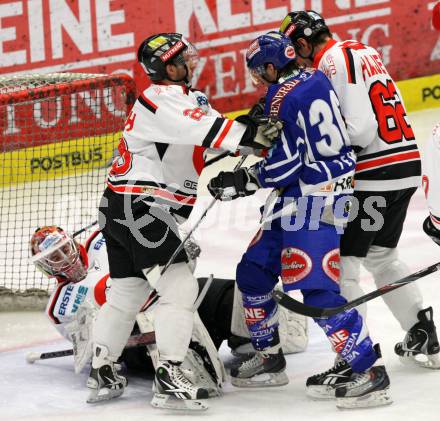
x=261, y=131
x=258, y=108
x=431, y=230
x=231, y=185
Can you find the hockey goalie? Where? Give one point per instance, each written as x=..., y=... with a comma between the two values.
x=83, y=281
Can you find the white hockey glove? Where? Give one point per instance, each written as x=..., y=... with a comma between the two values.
x=231, y=185
x=261, y=131
x=80, y=332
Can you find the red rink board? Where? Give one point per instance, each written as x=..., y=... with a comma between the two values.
x=103, y=35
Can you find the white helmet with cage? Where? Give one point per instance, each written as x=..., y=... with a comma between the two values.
x=57, y=254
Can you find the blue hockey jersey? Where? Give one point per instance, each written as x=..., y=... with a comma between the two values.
x=313, y=157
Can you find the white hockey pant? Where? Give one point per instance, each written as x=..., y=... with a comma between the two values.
x=173, y=319
x=384, y=264
x=116, y=317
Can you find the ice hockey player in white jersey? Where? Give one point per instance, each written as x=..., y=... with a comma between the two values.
x=388, y=172
x=431, y=184
x=151, y=186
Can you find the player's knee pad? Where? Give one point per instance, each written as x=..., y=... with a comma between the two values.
x=178, y=286
x=253, y=278
x=128, y=294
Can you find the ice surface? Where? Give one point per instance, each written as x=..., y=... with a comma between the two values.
x=49, y=390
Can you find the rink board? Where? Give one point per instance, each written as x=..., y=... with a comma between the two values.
x=58, y=159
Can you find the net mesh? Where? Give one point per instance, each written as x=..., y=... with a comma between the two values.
x=58, y=134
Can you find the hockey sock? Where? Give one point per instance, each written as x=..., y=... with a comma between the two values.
x=261, y=315
x=345, y=331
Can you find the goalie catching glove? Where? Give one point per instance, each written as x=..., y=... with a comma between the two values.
x=231, y=185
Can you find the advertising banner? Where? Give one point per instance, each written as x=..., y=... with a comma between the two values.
x=102, y=36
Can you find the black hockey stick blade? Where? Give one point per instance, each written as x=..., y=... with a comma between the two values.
x=142, y=339
x=318, y=313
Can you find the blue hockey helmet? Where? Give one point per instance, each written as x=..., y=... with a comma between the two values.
x=273, y=47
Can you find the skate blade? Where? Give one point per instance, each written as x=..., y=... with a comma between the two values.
x=320, y=393
x=261, y=380
x=378, y=398
x=163, y=401
x=430, y=361
x=95, y=396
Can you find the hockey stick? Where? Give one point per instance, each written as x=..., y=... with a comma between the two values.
x=133, y=341
x=218, y=158
x=76, y=233
x=154, y=273
x=318, y=312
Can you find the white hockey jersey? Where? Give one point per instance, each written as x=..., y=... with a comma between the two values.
x=67, y=296
x=431, y=175
x=161, y=149
x=375, y=116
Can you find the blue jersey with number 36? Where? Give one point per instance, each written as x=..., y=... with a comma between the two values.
x=313, y=155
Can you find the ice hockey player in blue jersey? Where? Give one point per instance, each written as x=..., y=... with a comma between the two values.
x=310, y=169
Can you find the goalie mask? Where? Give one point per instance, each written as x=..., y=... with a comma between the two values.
x=57, y=254
x=166, y=48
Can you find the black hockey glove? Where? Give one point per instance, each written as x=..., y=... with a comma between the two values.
x=431, y=230
x=231, y=185
x=261, y=131
x=257, y=109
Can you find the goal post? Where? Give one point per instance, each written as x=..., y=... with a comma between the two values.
x=58, y=134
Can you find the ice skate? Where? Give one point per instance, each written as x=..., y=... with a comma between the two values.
x=323, y=385
x=367, y=389
x=420, y=346
x=261, y=370
x=104, y=382
x=172, y=390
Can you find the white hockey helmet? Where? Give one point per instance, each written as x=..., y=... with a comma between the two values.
x=57, y=254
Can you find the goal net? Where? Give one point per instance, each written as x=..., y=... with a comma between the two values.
x=58, y=134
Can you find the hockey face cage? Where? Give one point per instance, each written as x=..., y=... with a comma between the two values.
x=303, y=24
x=274, y=48
x=57, y=254
x=167, y=48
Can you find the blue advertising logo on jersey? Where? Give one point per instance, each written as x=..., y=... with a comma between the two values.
x=65, y=300
x=99, y=244
x=80, y=297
